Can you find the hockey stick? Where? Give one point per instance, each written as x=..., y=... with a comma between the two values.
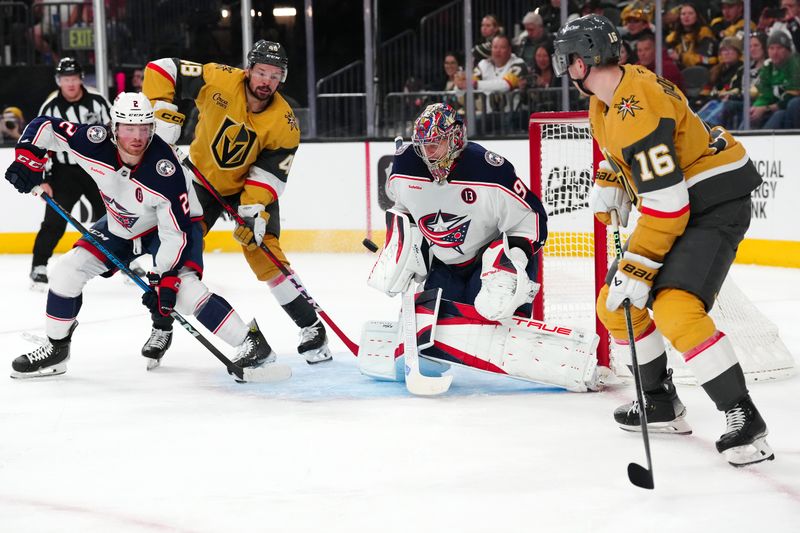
x=639, y=475
x=352, y=346
x=266, y=374
x=416, y=383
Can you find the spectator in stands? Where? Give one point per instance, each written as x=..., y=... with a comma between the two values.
x=646, y=53
x=452, y=71
x=535, y=34
x=625, y=53
x=725, y=81
x=733, y=107
x=13, y=122
x=731, y=23
x=490, y=27
x=137, y=78
x=592, y=7
x=550, y=10
x=637, y=18
x=790, y=23
x=692, y=42
x=543, y=77
x=778, y=103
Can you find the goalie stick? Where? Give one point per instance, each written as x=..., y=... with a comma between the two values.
x=638, y=475
x=266, y=374
x=352, y=346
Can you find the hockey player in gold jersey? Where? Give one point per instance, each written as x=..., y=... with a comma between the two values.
x=691, y=185
x=244, y=143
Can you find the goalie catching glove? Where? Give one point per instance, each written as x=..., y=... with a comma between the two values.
x=504, y=282
x=608, y=194
x=27, y=169
x=168, y=121
x=633, y=280
x=164, y=296
x=251, y=234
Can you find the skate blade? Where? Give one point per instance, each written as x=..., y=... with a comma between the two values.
x=152, y=364
x=271, y=373
x=38, y=287
x=55, y=370
x=319, y=355
x=749, y=454
x=679, y=426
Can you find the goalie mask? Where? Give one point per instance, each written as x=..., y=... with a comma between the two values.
x=131, y=108
x=593, y=38
x=438, y=139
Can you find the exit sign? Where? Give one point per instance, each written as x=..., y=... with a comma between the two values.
x=77, y=38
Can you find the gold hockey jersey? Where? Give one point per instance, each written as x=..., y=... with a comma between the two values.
x=236, y=150
x=671, y=163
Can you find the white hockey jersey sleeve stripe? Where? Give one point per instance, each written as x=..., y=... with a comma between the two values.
x=669, y=202
x=166, y=67
x=262, y=178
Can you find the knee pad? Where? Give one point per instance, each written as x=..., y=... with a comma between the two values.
x=73, y=270
x=192, y=294
x=261, y=265
x=614, y=321
x=682, y=318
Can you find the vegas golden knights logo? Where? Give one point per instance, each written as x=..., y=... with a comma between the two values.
x=232, y=144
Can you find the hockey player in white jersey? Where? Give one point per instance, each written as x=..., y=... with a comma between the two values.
x=466, y=225
x=151, y=208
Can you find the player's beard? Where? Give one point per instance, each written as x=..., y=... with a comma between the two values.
x=134, y=149
x=263, y=93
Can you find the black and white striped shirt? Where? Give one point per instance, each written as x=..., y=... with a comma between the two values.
x=92, y=108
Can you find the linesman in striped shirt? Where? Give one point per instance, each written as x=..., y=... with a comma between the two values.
x=65, y=181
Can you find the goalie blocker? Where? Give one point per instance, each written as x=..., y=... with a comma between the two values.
x=454, y=333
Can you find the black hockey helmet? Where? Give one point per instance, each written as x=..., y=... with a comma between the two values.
x=593, y=38
x=69, y=66
x=269, y=53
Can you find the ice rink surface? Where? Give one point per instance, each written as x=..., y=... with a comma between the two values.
x=109, y=447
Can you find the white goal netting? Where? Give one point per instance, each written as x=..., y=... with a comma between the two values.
x=578, y=252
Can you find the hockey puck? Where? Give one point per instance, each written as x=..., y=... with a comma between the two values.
x=369, y=245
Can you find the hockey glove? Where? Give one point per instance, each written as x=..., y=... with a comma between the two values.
x=27, y=170
x=161, y=300
x=252, y=233
x=608, y=194
x=504, y=283
x=633, y=280
x=168, y=121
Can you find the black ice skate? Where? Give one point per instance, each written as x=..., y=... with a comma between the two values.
x=314, y=344
x=49, y=359
x=665, y=411
x=744, y=441
x=156, y=346
x=39, y=278
x=255, y=350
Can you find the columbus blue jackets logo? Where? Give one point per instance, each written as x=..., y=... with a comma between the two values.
x=444, y=229
x=96, y=134
x=124, y=218
x=165, y=167
x=494, y=159
x=232, y=144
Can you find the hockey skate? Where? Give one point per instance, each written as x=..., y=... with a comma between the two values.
x=156, y=346
x=665, y=411
x=255, y=350
x=39, y=279
x=314, y=344
x=744, y=441
x=49, y=359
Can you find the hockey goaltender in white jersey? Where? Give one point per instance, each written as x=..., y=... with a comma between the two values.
x=467, y=227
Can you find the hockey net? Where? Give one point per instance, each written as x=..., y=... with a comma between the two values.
x=575, y=260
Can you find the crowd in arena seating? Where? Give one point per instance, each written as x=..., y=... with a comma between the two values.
x=702, y=54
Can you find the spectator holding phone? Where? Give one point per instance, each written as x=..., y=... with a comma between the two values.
x=12, y=124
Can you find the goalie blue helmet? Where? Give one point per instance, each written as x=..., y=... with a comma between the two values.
x=438, y=139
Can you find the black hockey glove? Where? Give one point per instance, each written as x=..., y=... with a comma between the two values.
x=27, y=170
x=161, y=300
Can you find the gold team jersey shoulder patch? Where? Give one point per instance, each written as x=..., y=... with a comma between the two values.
x=291, y=120
x=628, y=106
x=232, y=143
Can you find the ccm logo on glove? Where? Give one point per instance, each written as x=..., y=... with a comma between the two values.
x=30, y=161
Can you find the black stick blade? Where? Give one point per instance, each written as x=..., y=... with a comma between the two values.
x=640, y=476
